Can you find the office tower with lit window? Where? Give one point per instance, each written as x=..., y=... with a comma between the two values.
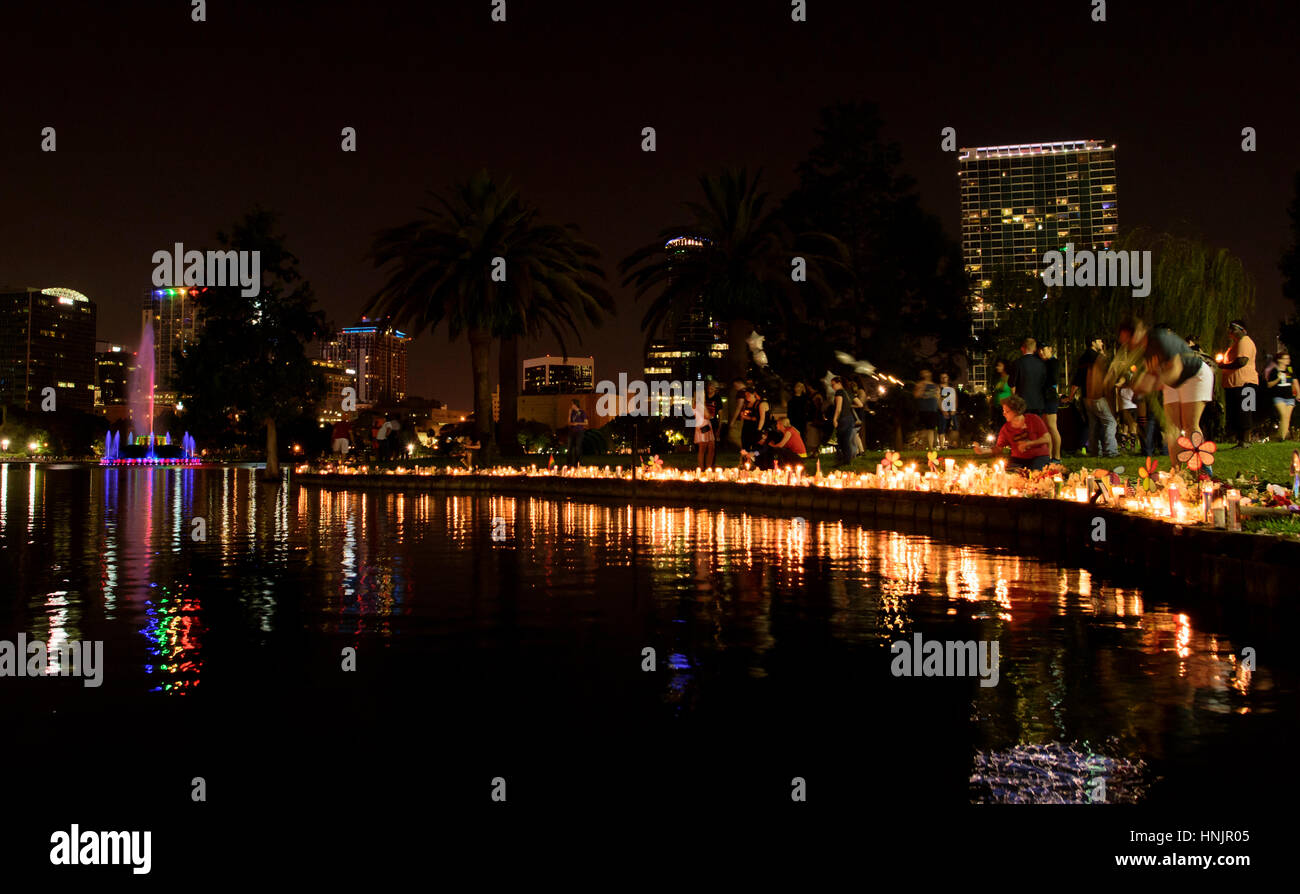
x=559, y=375
x=113, y=367
x=377, y=352
x=1018, y=202
x=47, y=340
x=688, y=347
x=176, y=322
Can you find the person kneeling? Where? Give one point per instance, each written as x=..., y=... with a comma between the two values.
x=1026, y=435
x=783, y=447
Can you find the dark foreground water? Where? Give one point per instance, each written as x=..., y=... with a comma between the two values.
x=506, y=638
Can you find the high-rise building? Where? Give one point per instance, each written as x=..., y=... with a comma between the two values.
x=176, y=322
x=559, y=375
x=1018, y=202
x=337, y=376
x=378, y=354
x=689, y=346
x=47, y=340
x=113, y=367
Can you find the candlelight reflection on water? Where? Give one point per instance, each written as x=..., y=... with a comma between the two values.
x=719, y=593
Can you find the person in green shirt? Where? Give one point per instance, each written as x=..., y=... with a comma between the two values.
x=1001, y=391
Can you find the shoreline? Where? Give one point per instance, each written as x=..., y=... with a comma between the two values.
x=1260, y=571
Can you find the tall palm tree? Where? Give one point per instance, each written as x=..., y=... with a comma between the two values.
x=440, y=269
x=741, y=270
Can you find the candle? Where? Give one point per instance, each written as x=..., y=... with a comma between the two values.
x=1220, y=519
x=1081, y=494
x=1056, y=486
x=949, y=463
x=1207, y=494
x=1172, y=492
x=1234, y=510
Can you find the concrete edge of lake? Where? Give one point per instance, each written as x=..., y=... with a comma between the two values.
x=1254, y=572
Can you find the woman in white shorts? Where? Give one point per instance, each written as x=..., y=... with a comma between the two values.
x=1185, y=404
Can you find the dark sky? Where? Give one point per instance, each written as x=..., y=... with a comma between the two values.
x=168, y=129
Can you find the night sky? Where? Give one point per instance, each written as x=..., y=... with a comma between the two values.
x=168, y=129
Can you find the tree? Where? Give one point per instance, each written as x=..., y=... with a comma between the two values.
x=249, y=368
x=1290, y=267
x=906, y=300
x=444, y=267
x=739, y=269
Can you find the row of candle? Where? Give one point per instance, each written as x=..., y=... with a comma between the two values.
x=986, y=480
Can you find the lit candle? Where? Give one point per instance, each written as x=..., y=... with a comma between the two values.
x=949, y=463
x=1172, y=492
x=1219, y=515
x=1207, y=495
x=1081, y=494
x=1234, y=510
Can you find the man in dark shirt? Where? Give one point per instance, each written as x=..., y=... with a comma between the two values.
x=1028, y=377
x=1079, y=387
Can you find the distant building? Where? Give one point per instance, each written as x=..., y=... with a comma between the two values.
x=553, y=409
x=1018, y=202
x=689, y=347
x=47, y=340
x=559, y=375
x=113, y=367
x=176, y=324
x=337, y=376
x=378, y=354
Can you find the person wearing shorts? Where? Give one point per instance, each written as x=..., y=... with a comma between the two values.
x=1185, y=402
x=1282, y=386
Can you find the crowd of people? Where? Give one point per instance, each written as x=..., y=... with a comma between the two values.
x=1123, y=390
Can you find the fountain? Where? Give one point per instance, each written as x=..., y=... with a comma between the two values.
x=147, y=449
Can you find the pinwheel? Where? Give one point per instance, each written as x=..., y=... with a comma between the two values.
x=892, y=459
x=1147, y=474
x=932, y=457
x=1196, y=451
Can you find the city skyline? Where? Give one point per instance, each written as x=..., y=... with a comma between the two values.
x=1188, y=168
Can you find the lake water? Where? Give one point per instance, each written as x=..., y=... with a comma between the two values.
x=507, y=636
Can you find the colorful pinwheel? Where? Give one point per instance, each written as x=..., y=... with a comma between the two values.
x=892, y=459
x=1147, y=474
x=1196, y=451
x=932, y=457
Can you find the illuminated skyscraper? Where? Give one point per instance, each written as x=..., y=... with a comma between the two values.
x=378, y=354
x=1018, y=202
x=689, y=347
x=47, y=340
x=177, y=323
x=559, y=375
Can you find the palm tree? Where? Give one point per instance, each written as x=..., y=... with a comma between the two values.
x=741, y=270
x=441, y=269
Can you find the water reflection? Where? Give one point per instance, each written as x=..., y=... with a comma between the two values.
x=722, y=596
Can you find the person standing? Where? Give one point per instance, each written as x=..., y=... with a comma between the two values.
x=341, y=437
x=843, y=422
x=1028, y=376
x=1097, y=403
x=817, y=423
x=1282, y=387
x=577, y=428
x=947, y=410
x=926, y=394
x=797, y=410
x=1079, y=389
x=1001, y=391
x=705, y=436
x=1051, y=397
x=381, y=438
x=1240, y=382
